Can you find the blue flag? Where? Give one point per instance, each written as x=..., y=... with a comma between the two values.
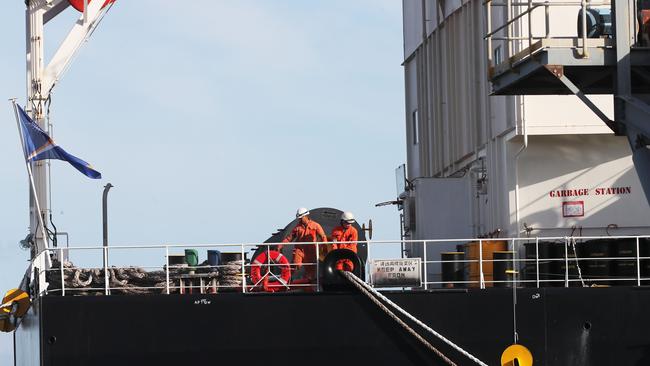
x=39, y=146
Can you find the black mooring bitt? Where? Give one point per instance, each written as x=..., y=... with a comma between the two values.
x=331, y=279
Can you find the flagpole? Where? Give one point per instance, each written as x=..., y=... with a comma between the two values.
x=31, y=176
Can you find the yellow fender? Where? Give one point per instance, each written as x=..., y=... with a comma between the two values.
x=516, y=355
x=14, y=305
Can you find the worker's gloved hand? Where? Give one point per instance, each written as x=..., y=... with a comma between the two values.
x=298, y=257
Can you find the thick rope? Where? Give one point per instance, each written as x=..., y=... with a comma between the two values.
x=359, y=283
x=575, y=253
x=426, y=343
x=127, y=280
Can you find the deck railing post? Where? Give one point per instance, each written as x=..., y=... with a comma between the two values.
x=509, y=30
x=515, y=262
x=318, y=267
x=63, y=276
x=530, y=26
x=583, y=5
x=537, y=260
x=106, y=280
x=638, y=263
x=566, y=261
x=481, y=279
x=488, y=11
x=167, y=269
x=368, y=266
x=243, y=269
x=426, y=274
x=547, y=20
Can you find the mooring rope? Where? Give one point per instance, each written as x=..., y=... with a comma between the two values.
x=426, y=343
x=369, y=291
x=575, y=256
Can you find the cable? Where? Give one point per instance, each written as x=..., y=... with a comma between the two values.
x=358, y=282
x=55, y=233
x=383, y=307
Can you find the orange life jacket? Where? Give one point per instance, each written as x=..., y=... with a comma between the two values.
x=341, y=234
x=303, y=234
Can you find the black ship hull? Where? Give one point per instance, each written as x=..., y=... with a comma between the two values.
x=561, y=326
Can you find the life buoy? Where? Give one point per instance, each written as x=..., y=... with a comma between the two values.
x=79, y=4
x=270, y=282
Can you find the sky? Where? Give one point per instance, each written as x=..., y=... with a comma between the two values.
x=214, y=120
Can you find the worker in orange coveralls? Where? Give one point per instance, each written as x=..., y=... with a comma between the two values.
x=345, y=235
x=306, y=231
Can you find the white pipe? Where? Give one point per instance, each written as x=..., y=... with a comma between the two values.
x=517, y=155
x=38, y=175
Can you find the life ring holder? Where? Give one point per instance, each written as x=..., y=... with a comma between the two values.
x=261, y=274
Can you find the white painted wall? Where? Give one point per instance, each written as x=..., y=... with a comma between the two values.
x=411, y=105
x=564, y=114
x=412, y=11
x=443, y=209
x=446, y=83
x=588, y=164
x=463, y=128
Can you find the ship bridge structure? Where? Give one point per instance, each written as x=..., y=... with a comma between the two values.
x=610, y=54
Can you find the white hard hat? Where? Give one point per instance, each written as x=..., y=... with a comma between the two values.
x=302, y=212
x=347, y=217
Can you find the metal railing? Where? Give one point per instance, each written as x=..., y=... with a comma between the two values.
x=517, y=11
x=528, y=262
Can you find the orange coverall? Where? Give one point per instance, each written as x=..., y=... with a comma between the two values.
x=306, y=252
x=341, y=234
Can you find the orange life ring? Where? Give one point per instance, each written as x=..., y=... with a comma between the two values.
x=270, y=283
x=79, y=4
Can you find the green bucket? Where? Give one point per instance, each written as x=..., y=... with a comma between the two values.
x=192, y=257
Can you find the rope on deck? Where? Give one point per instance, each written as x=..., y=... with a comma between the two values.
x=375, y=295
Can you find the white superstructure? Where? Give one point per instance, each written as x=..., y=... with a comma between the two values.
x=481, y=165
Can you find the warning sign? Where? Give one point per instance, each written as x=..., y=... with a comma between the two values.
x=396, y=272
x=573, y=209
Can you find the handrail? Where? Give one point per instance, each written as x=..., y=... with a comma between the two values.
x=530, y=6
x=253, y=244
x=376, y=250
x=550, y=3
x=535, y=6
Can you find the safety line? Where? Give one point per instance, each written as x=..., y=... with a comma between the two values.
x=367, y=289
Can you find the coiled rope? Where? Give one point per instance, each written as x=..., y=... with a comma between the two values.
x=374, y=296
